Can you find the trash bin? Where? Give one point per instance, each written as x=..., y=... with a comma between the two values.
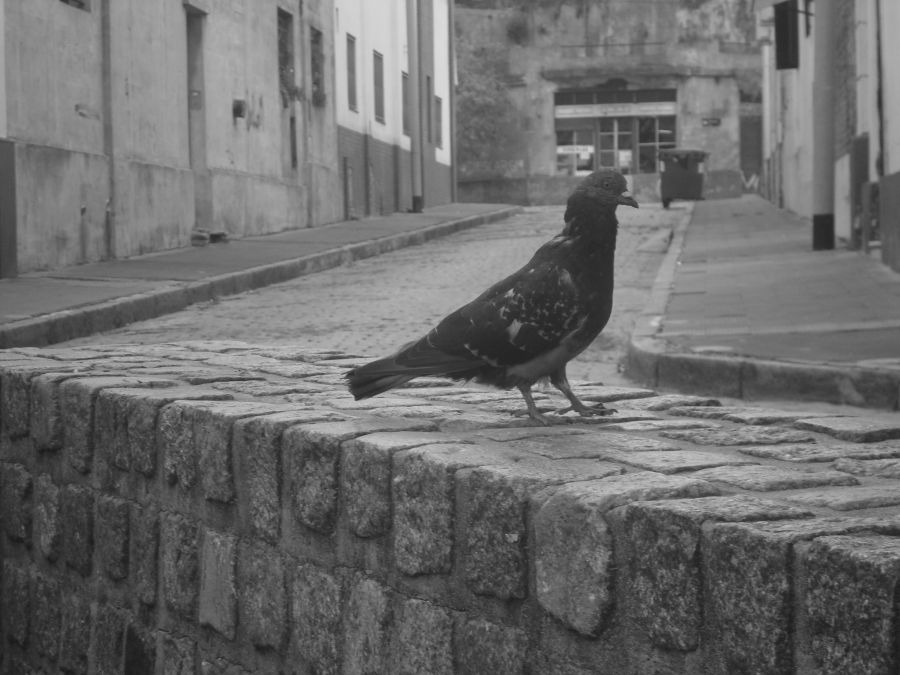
x=682, y=174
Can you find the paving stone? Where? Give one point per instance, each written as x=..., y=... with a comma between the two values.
x=882, y=468
x=822, y=453
x=662, y=540
x=658, y=425
x=674, y=461
x=485, y=647
x=76, y=505
x=16, y=501
x=76, y=399
x=180, y=564
x=177, y=654
x=315, y=606
x=766, y=478
x=378, y=402
x=262, y=388
x=748, y=435
x=749, y=577
x=17, y=583
x=573, y=546
x=425, y=412
x=112, y=536
x=609, y=394
x=15, y=400
x=109, y=638
x=854, y=429
x=422, y=639
x=365, y=476
x=312, y=454
x=422, y=492
x=46, y=416
x=768, y=416
x=257, y=446
x=75, y=634
x=666, y=401
x=522, y=433
x=218, y=594
x=704, y=411
x=47, y=534
x=366, y=626
x=262, y=603
x=850, y=603
x=144, y=552
x=493, y=503
x=212, y=435
x=848, y=498
x=588, y=445
x=45, y=620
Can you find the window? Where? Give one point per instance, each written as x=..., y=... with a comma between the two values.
x=627, y=144
x=438, y=122
x=787, y=39
x=78, y=4
x=654, y=134
x=428, y=118
x=404, y=81
x=351, y=72
x=286, y=58
x=317, y=66
x=378, y=65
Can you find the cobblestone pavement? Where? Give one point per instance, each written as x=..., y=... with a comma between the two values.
x=375, y=305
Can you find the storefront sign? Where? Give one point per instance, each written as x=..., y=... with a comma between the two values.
x=648, y=109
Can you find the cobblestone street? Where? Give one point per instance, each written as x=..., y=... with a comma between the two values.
x=375, y=305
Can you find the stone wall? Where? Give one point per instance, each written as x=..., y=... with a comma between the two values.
x=223, y=508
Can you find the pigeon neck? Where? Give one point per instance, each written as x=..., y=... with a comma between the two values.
x=598, y=231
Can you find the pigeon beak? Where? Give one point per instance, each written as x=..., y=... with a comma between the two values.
x=627, y=200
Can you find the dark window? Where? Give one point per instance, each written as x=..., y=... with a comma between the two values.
x=78, y=4
x=378, y=65
x=286, y=58
x=404, y=77
x=787, y=40
x=438, y=122
x=317, y=66
x=351, y=71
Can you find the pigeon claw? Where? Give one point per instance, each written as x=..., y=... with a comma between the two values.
x=596, y=411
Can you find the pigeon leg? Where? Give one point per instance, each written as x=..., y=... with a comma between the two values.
x=561, y=382
x=532, y=411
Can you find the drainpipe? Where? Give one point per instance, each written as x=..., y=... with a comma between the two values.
x=823, y=128
x=109, y=225
x=415, y=116
x=452, y=103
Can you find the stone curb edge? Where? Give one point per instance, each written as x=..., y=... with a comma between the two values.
x=650, y=362
x=103, y=316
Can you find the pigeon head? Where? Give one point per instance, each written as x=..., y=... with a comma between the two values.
x=599, y=193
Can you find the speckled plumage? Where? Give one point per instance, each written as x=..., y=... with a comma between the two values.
x=529, y=325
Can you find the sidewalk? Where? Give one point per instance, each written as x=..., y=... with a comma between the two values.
x=744, y=308
x=48, y=307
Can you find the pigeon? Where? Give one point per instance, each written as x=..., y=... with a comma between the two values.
x=527, y=327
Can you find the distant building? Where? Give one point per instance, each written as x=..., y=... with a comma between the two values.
x=607, y=85
x=832, y=118
x=377, y=122
x=126, y=124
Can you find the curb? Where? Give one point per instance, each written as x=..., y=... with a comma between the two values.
x=104, y=316
x=649, y=362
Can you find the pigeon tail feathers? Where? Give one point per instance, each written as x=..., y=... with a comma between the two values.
x=414, y=360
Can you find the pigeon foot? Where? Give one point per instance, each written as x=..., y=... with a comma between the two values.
x=599, y=410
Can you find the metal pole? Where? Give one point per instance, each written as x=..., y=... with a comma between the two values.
x=823, y=127
x=415, y=102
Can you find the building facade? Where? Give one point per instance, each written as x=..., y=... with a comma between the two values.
x=831, y=97
x=125, y=125
x=610, y=85
x=379, y=127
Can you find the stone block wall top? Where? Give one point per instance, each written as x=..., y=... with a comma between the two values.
x=230, y=505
